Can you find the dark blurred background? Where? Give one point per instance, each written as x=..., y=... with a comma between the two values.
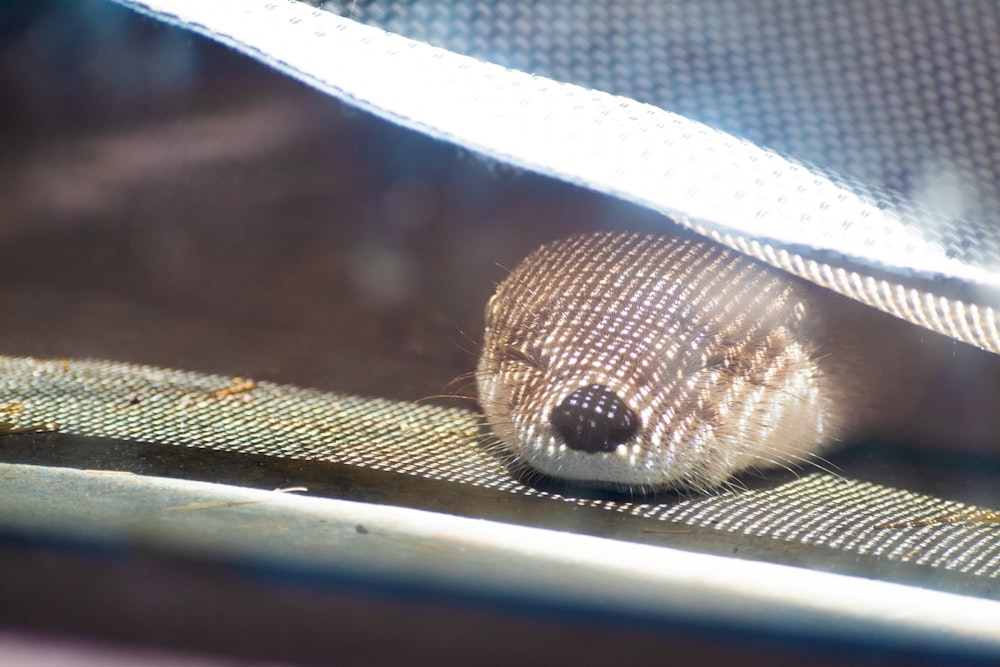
x=167, y=201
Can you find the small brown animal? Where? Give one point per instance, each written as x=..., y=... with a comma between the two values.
x=646, y=362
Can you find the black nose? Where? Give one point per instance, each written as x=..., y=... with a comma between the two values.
x=594, y=419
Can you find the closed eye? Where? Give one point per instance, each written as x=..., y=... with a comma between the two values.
x=717, y=361
x=511, y=354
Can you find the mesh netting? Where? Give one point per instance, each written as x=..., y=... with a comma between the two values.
x=894, y=108
x=853, y=144
x=818, y=511
x=892, y=94
x=896, y=100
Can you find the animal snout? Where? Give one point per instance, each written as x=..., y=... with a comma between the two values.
x=594, y=419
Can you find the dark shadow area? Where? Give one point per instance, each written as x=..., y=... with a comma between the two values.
x=966, y=477
x=229, y=219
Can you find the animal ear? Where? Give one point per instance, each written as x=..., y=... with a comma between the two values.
x=530, y=357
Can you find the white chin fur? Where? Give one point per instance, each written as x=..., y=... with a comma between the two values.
x=621, y=467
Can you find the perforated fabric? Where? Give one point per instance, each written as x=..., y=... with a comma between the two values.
x=896, y=97
x=897, y=100
x=893, y=109
x=823, y=512
x=899, y=95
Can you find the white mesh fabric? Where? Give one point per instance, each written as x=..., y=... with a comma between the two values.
x=708, y=112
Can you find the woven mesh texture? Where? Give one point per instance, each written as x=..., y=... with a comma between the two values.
x=141, y=403
x=897, y=101
x=902, y=95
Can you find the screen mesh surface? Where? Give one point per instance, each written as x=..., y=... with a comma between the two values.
x=812, y=517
